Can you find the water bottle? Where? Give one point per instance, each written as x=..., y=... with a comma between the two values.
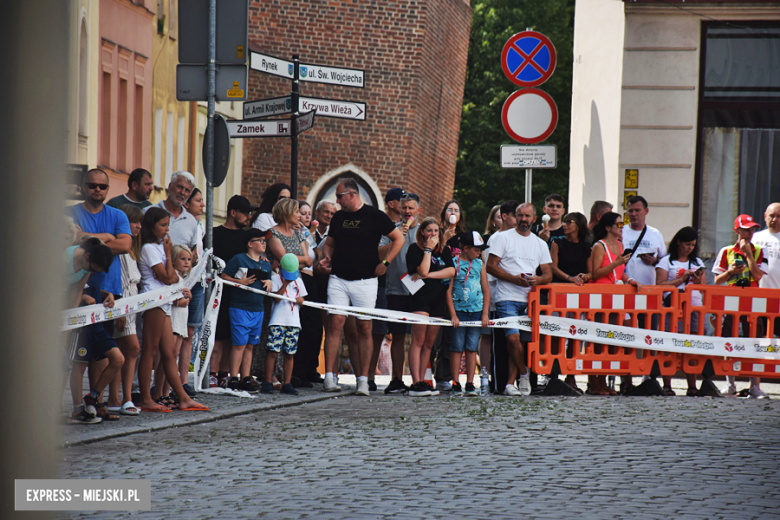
x=484, y=387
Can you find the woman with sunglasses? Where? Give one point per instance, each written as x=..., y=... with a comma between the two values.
x=608, y=266
x=262, y=218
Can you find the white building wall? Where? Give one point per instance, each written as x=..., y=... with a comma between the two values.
x=596, y=98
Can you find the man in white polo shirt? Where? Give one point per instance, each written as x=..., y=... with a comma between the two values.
x=183, y=228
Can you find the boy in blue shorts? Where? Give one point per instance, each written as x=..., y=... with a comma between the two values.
x=285, y=326
x=246, y=308
x=468, y=299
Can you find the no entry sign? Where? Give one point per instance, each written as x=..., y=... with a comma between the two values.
x=529, y=116
x=528, y=59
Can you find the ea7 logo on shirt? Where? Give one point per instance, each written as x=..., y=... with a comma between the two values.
x=351, y=224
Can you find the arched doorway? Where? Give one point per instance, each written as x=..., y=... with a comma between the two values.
x=325, y=187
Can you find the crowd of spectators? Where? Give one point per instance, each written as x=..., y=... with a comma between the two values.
x=345, y=252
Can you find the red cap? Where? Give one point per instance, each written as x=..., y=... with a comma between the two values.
x=744, y=222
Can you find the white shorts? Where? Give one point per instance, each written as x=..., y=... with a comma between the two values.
x=357, y=293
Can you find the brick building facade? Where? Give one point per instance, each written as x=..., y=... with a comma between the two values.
x=414, y=55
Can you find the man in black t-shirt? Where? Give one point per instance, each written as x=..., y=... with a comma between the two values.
x=551, y=226
x=352, y=252
x=228, y=241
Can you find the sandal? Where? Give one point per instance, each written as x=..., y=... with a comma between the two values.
x=82, y=417
x=106, y=415
x=129, y=409
x=692, y=392
x=167, y=402
x=197, y=407
x=668, y=391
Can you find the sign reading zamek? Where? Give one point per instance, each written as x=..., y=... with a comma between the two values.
x=268, y=128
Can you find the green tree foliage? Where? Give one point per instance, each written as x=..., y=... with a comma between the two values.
x=480, y=182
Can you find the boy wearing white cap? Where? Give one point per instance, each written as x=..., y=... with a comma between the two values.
x=468, y=299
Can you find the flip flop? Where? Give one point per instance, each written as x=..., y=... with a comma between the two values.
x=196, y=408
x=158, y=408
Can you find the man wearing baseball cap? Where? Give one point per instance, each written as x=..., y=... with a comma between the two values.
x=393, y=203
x=740, y=265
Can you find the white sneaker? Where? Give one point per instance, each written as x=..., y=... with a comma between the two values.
x=331, y=386
x=542, y=380
x=729, y=390
x=757, y=393
x=362, y=388
x=444, y=387
x=511, y=390
x=524, y=385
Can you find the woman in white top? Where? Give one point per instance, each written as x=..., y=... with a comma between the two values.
x=157, y=271
x=263, y=219
x=680, y=268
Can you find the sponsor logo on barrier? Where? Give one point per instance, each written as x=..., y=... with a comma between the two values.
x=702, y=345
x=728, y=347
x=611, y=334
x=572, y=330
x=216, y=302
x=648, y=340
x=81, y=319
x=767, y=348
x=551, y=327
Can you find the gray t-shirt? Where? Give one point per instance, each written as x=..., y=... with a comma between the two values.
x=397, y=267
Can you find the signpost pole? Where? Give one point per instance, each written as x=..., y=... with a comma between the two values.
x=528, y=179
x=210, y=133
x=293, y=132
x=209, y=144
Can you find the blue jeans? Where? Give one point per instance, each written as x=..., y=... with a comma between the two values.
x=510, y=309
x=466, y=337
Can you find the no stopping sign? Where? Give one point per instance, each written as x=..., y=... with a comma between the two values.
x=529, y=116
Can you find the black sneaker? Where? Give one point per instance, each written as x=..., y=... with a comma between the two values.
x=287, y=388
x=396, y=386
x=189, y=390
x=248, y=384
x=315, y=377
x=470, y=390
x=457, y=390
x=371, y=385
x=297, y=382
x=419, y=389
x=430, y=388
x=233, y=383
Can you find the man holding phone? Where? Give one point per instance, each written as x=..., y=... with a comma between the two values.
x=649, y=251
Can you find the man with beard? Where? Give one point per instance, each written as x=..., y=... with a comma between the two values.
x=514, y=257
x=139, y=187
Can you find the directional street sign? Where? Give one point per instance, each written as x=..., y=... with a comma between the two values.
x=271, y=65
x=267, y=107
x=528, y=59
x=529, y=116
x=334, y=108
x=267, y=128
x=332, y=75
x=304, y=122
x=515, y=156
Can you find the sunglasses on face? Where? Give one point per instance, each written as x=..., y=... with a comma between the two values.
x=410, y=196
x=96, y=185
x=619, y=224
x=339, y=195
x=569, y=222
x=259, y=240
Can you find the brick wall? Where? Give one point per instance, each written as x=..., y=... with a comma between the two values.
x=414, y=56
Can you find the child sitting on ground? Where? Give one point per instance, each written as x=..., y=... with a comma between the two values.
x=285, y=324
x=468, y=299
x=246, y=307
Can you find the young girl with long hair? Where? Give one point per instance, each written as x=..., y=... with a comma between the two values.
x=156, y=266
x=431, y=261
x=125, y=332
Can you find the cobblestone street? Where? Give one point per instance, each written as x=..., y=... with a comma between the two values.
x=401, y=457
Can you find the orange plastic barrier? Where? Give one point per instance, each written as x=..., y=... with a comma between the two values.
x=615, y=304
x=728, y=309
